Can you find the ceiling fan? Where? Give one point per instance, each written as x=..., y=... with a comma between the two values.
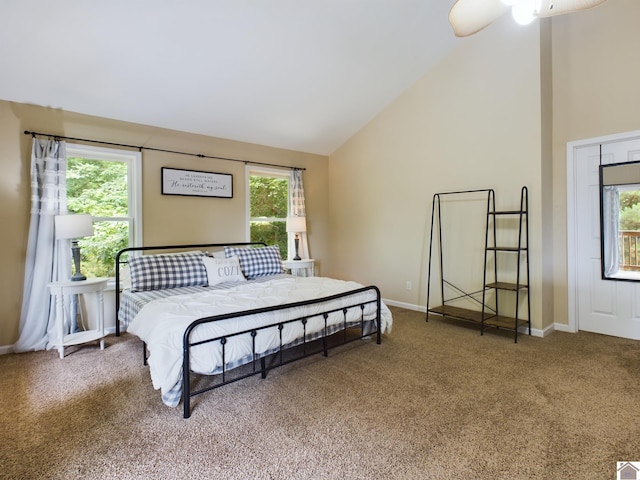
x=470, y=16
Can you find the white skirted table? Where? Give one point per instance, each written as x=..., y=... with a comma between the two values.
x=300, y=268
x=64, y=292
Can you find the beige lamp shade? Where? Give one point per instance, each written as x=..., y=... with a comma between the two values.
x=73, y=226
x=296, y=224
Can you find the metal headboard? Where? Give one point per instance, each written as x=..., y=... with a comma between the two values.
x=160, y=248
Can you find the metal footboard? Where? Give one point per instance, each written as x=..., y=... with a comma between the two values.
x=340, y=334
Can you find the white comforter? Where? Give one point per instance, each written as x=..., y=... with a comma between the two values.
x=162, y=322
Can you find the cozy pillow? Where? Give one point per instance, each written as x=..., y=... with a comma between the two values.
x=155, y=272
x=125, y=277
x=257, y=262
x=223, y=270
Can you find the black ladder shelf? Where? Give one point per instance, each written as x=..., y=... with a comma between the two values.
x=487, y=315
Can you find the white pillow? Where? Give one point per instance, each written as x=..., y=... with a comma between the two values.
x=223, y=270
x=125, y=277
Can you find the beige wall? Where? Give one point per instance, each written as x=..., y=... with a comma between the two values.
x=166, y=219
x=496, y=113
x=472, y=122
x=596, y=65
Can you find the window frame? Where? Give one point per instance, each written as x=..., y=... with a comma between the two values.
x=133, y=160
x=622, y=274
x=273, y=172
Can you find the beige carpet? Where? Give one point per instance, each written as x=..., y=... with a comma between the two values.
x=435, y=401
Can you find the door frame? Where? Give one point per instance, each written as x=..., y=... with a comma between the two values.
x=572, y=253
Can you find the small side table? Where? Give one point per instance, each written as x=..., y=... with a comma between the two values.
x=300, y=268
x=62, y=290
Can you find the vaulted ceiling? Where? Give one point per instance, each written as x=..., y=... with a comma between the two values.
x=292, y=74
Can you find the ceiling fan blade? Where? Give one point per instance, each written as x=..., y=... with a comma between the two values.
x=470, y=16
x=549, y=8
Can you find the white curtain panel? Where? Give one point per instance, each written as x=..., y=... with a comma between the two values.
x=297, y=209
x=611, y=229
x=47, y=260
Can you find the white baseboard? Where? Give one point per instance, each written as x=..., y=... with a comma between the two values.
x=535, y=332
x=4, y=349
x=407, y=306
x=563, y=327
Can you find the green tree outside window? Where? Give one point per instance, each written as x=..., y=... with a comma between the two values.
x=100, y=188
x=269, y=198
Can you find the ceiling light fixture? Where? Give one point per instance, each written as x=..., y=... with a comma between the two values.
x=470, y=16
x=525, y=11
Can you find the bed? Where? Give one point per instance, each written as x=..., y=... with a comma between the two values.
x=212, y=314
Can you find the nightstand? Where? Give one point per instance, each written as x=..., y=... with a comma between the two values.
x=300, y=268
x=63, y=292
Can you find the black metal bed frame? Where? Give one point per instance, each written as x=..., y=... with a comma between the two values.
x=300, y=349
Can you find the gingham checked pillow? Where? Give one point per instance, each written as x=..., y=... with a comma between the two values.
x=155, y=272
x=257, y=262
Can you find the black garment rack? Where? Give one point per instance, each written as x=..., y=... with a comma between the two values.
x=486, y=315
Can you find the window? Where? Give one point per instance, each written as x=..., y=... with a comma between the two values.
x=268, y=202
x=629, y=231
x=105, y=183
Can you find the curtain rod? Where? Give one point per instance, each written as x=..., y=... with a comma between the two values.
x=199, y=155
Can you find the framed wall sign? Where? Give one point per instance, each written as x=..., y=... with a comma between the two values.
x=198, y=184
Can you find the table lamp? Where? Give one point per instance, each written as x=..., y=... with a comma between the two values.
x=73, y=227
x=297, y=225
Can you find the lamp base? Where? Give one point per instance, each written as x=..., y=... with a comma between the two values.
x=75, y=253
x=297, y=242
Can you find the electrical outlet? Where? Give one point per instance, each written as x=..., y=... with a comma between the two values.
x=409, y=286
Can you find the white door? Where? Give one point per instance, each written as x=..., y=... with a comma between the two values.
x=610, y=307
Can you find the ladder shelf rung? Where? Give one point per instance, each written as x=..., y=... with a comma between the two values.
x=507, y=249
x=506, y=286
x=508, y=212
x=509, y=323
x=461, y=313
